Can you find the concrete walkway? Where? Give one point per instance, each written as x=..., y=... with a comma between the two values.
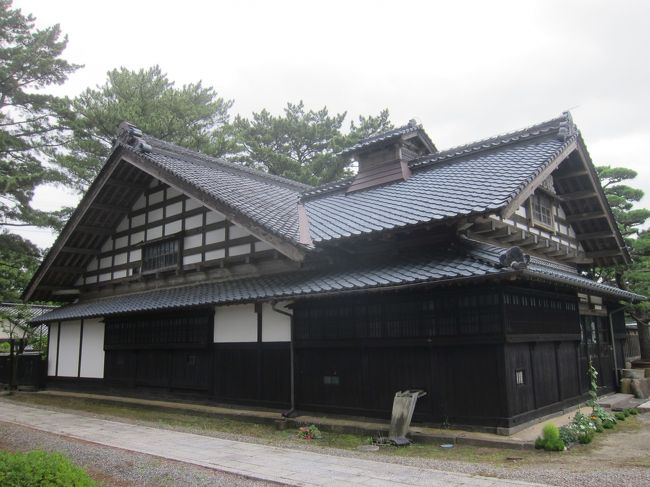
x=286, y=466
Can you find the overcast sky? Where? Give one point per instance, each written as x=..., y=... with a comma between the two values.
x=465, y=70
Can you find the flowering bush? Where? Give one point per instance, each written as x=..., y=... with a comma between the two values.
x=310, y=432
x=580, y=430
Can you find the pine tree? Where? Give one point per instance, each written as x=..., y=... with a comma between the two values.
x=192, y=116
x=30, y=121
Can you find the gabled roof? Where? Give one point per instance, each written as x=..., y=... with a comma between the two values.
x=390, y=135
x=494, y=175
x=472, y=179
x=268, y=200
x=489, y=176
x=268, y=206
x=470, y=261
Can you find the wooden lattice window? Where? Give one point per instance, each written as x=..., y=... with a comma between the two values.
x=542, y=210
x=161, y=255
x=520, y=377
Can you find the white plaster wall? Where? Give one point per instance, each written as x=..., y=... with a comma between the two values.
x=51, y=349
x=69, y=348
x=276, y=327
x=234, y=324
x=239, y=250
x=92, y=349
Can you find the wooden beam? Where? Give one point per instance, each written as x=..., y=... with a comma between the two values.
x=121, y=183
x=487, y=227
x=585, y=216
x=579, y=195
x=605, y=253
x=571, y=174
x=79, y=250
x=593, y=235
x=105, y=207
x=68, y=269
x=530, y=188
x=94, y=229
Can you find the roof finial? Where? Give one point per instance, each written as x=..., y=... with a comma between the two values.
x=567, y=127
x=129, y=134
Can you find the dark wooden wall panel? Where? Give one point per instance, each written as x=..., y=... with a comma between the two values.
x=545, y=378
x=521, y=397
x=568, y=370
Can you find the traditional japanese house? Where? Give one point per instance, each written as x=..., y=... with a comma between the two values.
x=460, y=272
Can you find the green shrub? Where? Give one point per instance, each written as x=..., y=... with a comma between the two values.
x=626, y=412
x=586, y=437
x=550, y=439
x=608, y=424
x=633, y=411
x=42, y=469
x=620, y=416
x=568, y=434
x=598, y=424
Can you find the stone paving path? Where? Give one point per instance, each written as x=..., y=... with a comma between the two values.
x=283, y=465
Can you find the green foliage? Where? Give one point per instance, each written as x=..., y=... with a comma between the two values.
x=19, y=258
x=42, y=469
x=302, y=144
x=551, y=439
x=637, y=279
x=310, y=432
x=633, y=411
x=192, y=116
x=593, y=385
x=30, y=121
x=619, y=416
x=581, y=429
x=15, y=324
x=622, y=198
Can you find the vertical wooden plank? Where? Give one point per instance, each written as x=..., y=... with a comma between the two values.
x=81, y=341
x=58, y=343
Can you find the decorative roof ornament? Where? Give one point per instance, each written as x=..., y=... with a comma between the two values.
x=129, y=134
x=514, y=258
x=567, y=127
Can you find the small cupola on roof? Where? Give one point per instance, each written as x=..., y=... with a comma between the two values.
x=384, y=158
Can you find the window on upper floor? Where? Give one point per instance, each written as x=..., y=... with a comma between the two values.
x=161, y=255
x=542, y=209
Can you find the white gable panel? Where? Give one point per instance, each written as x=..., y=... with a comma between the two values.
x=234, y=324
x=52, y=349
x=69, y=348
x=276, y=327
x=92, y=349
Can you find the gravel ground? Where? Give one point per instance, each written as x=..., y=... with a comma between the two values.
x=120, y=468
x=620, y=459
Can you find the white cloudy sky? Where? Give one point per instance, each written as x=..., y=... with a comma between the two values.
x=465, y=69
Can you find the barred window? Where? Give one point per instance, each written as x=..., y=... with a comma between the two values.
x=542, y=209
x=161, y=255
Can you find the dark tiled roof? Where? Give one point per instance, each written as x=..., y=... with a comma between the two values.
x=432, y=268
x=472, y=180
x=552, y=271
x=383, y=138
x=269, y=200
x=471, y=260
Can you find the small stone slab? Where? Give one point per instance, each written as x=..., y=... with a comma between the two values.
x=633, y=373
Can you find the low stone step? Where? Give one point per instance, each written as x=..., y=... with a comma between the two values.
x=629, y=404
x=614, y=399
x=644, y=408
